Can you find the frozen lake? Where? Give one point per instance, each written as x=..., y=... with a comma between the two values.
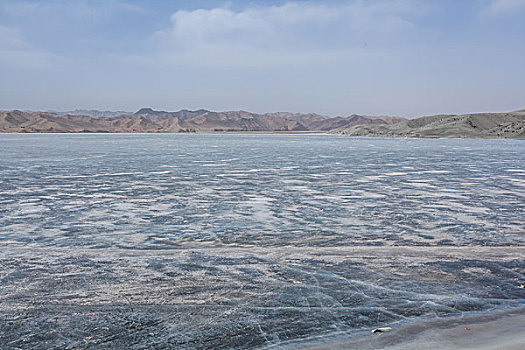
x=243, y=241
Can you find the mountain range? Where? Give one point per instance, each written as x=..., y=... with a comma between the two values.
x=149, y=120
x=146, y=120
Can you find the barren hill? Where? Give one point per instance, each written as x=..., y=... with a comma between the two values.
x=509, y=125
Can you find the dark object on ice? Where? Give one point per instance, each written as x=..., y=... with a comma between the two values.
x=381, y=329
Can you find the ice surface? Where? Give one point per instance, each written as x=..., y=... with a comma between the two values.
x=243, y=241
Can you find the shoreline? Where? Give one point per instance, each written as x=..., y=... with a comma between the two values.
x=501, y=329
x=454, y=137
x=390, y=137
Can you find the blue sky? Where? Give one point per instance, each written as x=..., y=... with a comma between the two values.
x=399, y=57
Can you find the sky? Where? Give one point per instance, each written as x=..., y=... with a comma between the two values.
x=334, y=57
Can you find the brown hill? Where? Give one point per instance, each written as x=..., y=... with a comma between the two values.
x=148, y=120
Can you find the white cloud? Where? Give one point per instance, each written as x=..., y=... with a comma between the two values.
x=292, y=33
x=17, y=52
x=78, y=10
x=11, y=38
x=503, y=7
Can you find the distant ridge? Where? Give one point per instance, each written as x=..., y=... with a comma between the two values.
x=510, y=125
x=150, y=120
x=147, y=111
x=93, y=113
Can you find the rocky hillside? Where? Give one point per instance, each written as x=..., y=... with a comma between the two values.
x=509, y=125
x=148, y=120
